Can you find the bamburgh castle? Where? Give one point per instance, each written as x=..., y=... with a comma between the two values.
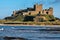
x=36, y=14
x=34, y=11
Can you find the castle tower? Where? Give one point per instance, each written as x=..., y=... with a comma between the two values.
x=50, y=11
x=38, y=8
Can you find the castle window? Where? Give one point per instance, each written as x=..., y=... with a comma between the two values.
x=30, y=13
x=47, y=12
x=39, y=13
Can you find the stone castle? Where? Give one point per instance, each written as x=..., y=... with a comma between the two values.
x=37, y=11
x=31, y=16
x=34, y=11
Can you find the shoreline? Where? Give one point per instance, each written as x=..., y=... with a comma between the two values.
x=30, y=25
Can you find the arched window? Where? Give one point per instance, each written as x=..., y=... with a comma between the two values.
x=47, y=12
x=30, y=13
x=39, y=12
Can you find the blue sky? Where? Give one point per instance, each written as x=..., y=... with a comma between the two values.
x=8, y=6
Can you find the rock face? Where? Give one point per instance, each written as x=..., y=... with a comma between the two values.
x=14, y=38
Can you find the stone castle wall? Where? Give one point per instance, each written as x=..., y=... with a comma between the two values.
x=48, y=11
x=37, y=9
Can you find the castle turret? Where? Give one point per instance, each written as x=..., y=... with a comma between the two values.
x=48, y=11
x=38, y=8
x=51, y=11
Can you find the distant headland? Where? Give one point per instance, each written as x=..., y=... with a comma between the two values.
x=32, y=16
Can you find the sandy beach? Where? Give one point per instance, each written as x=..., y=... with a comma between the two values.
x=31, y=25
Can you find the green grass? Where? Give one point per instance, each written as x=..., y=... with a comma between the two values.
x=19, y=18
x=50, y=17
x=47, y=16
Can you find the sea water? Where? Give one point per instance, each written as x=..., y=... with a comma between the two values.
x=29, y=32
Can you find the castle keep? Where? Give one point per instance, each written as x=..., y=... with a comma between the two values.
x=34, y=11
x=36, y=14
